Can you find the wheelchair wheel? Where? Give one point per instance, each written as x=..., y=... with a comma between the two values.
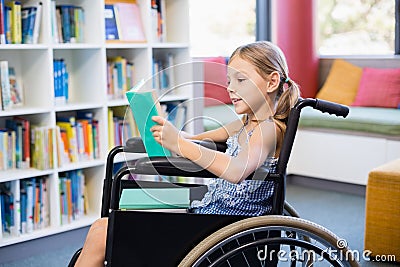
x=269, y=240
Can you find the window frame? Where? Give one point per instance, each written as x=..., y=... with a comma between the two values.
x=264, y=23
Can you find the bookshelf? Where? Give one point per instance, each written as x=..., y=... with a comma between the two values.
x=86, y=64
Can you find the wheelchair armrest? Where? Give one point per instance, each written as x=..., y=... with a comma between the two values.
x=178, y=166
x=174, y=166
x=135, y=145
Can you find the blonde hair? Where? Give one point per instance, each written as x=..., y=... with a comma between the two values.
x=267, y=58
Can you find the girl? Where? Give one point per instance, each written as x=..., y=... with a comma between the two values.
x=261, y=90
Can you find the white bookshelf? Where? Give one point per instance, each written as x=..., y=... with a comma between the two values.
x=86, y=64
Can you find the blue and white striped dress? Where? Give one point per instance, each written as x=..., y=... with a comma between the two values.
x=249, y=197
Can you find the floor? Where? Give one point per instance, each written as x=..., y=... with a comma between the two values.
x=342, y=213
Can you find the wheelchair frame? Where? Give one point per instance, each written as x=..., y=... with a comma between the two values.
x=197, y=242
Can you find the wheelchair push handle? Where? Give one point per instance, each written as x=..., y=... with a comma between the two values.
x=321, y=105
x=331, y=108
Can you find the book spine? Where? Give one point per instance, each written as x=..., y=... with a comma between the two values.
x=54, y=32
x=7, y=24
x=28, y=17
x=59, y=25
x=5, y=85
x=15, y=231
x=16, y=26
x=2, y=21
x=65, y=23
x=72, y=23
x=23, y=198
x=38, y=21
x=29, y=205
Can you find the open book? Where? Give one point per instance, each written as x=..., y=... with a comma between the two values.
x=144, y=104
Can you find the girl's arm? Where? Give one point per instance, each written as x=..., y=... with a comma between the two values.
x=233, y=169
x=220, y=134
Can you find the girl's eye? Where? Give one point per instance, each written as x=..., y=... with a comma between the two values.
x=228, y=83
x=241, y=80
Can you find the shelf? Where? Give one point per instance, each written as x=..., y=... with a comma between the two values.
x=17, y=174
x=79, y=106
x=120, y=45
x=17, y=111
x=81, y=165
x=169, y=45
x=23, y=47
x=117, y=102
x=83, y=222
x=76, y=46
x=88, y=91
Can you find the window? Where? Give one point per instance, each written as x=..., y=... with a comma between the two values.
x=217, y=27
x=356, y=27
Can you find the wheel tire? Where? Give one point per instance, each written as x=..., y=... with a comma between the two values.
x=255, y=222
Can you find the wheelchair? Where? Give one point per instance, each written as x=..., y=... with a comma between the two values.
x=146, y=238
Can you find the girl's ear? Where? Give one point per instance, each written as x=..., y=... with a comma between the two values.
x=274, y=81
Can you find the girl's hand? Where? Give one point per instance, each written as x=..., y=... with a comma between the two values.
x=165, y=133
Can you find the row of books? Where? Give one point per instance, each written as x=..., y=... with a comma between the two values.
x=121, y=126
x=73, y=200
x=15, y=144
x=67, y=23
x=20, y=23
x=45, y=147
x=11, y=94
x=79, y=137
x=123, y=22
x=23, y=145
x=24, y=206
x=61, y=86
x=120, y=77
x=163, y=73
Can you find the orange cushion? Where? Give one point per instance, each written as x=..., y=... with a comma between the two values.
x=342, y=83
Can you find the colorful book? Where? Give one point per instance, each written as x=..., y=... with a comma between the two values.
x=25, y=142
x=69, y=125
x=17, y=96
x=28, y=16
x=129, y=22
x=38, y=21
x=155, y=198
x=7, y=24
x=2, y=20
x=110, y=23
x=144, y=105
x=16, y=26
x=5, y=85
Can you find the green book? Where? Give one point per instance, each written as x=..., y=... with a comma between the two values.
x=155, y=198
x=144, y=105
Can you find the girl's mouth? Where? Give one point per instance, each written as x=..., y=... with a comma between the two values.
x=235, y=100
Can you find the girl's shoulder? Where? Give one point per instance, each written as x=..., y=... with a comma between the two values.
x=233, y=127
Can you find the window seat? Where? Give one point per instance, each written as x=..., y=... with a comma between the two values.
x=345, y=150
x=385, y=121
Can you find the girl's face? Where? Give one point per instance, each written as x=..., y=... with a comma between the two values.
x=247, y=89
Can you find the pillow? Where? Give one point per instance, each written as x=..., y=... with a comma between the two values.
x=215, y=82
x=379, y=88
x=342, y=82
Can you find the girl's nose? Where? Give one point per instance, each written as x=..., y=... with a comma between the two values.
x=230, y=89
